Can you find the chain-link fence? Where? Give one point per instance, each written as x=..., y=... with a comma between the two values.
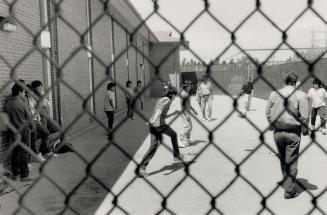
x=47, y=42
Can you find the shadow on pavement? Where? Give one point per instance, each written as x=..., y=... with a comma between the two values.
x=172, y=168
x=196, y=142
x=305, y=185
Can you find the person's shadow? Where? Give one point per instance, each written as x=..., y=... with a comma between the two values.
x=303, y=184
x=171, y=168
x=196, y=142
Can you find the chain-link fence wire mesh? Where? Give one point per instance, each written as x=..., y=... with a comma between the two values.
x=59, y=79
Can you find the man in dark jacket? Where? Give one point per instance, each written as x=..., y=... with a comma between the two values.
x=20, y=117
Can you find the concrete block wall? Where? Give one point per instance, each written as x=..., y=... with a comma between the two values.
x=76, y=72
x=161, y=54
x=101, y=39
x=120, y=64
x=274, y=75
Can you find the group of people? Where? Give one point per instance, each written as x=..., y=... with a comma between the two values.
x=29, y=112
x=287, y=122
x=158, y=126
x=130, y=94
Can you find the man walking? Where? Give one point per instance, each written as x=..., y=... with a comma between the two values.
x=110, y=105
x=206, y=95
x=158, y=127
x=20, y=117
x=288, y=122
x=186, y=114
x=247, y=89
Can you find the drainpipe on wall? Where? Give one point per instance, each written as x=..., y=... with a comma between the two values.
x=54, y=54
x=127, y=59
x=90, y=55
x=45, y=59
x=113, y=71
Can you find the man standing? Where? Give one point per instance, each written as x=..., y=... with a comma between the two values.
x=288, y=122
x=138, y=92
x=129, y=95
x=206, y=95
x=158, y=127
x=20, y=117
x=186, y=114
x=110, y=105
x=247, y=89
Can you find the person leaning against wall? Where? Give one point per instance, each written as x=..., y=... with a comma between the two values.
x=20, y=117
x=288, y=122
x=46, y=119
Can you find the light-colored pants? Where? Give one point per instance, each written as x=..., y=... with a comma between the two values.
x=187, y=127
x=245, y=103
x=206, y=99
x=248, y=101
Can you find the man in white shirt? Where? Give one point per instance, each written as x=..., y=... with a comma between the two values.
x=317, y=96
x=158, y=127
x=206, y=96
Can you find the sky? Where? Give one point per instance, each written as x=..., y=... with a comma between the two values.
x=208, y=40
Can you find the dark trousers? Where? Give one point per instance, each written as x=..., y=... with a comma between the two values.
x=322, y=113
x=288, y=146
x=156, y=138
x=41, y=132
x=47, y=138
x=110, y=116
x=130, y=108
x=20, y=157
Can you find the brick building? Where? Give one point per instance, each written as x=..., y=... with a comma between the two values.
x=80, y=46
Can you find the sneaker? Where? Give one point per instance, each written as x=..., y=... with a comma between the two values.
x=182, y=145
x=27, y=178
x=51, y=154
x=324, y=131
x=142, y=173
x=291, y=195
x=179, y=159
x=204, y=118
x=40, y=158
